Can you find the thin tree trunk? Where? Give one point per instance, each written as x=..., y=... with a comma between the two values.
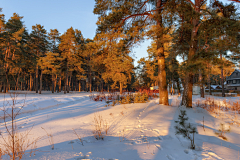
x=52, y=83
x=4, y=87
x=55, y=83
x=69, y=83
x=120, y=87
x=66, y=81
x=79, y=86
x=60, y=84
x=201, y=84
x=40, y=90
x=101, y=84
x=209, y=84
x=36, y=85
x=222, y=79
x=6, y=84
x=22, y=82
x=31, y=80
x=1, y=86
x=90, y=82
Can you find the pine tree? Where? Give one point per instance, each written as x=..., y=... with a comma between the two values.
x=185, y=129
x=68, y=48
x=49, y=64
x=38, y=46
x=12, y=42
x=54, y=37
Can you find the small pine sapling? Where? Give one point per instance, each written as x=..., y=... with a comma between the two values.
x=221, y=132
x=185, y=129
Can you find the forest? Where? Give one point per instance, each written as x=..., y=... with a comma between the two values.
x=192, y=43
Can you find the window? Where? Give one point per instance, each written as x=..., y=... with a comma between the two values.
x=236, y=74
x=234, y=81
x=235, y=88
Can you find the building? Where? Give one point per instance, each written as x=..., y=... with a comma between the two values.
x=233, y=81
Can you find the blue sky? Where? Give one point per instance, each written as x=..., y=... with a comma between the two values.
x=60, y=14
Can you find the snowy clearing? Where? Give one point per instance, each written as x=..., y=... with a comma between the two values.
x=136, y=131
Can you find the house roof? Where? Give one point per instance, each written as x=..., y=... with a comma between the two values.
x=215, y=87
x=236, y=70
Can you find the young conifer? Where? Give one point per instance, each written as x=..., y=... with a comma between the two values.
x=185, y=129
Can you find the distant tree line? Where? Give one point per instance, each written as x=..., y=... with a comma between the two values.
x=42, y=60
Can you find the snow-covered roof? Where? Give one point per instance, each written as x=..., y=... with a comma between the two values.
x=215, y=86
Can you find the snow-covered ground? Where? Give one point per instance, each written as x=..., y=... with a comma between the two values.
x=136, y=131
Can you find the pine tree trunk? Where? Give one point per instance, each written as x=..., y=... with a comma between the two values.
x=201, y=84
x=101, y=84
x=1, y=87
x=28, y=85
x=69, y=83
x=36, y=85
x=66, y=81
x=187, y=101
x=6, y=84
x=222, y=78
x=52, y=83
x=31, y=82
x=120, y=87
x=79, y=86
x=55, y=83
x=60, y=84
x=40, y=90
x=209, y=83
x=75, y=83
x=163, y=93
x=90, y=82
x=4, y=87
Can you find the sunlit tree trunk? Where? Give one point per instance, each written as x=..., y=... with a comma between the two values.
x=60, y=84
x=163, y=93
x=79, y=86
x=121, y=85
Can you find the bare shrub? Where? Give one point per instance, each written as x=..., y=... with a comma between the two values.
x=50, y=139
x=79, y=137
x=100, y=126
x=15, y=143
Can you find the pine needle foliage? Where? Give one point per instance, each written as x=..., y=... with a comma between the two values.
x=185, y=129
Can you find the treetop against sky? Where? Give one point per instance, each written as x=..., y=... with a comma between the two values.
x=61, y=15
